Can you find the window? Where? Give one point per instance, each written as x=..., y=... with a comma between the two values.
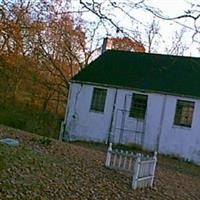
x=184, y=113
x=98, y=99
x=138, y=106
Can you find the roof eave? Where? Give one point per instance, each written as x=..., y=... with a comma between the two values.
x=132, y=88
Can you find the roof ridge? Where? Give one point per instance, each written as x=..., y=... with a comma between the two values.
x=147, y=53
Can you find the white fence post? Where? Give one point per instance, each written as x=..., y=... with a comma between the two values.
x=136, y=172
x=120, y=158
x=109, y=155
x=62, y=130
x=142, y=168
x=130, y=161
x=125, y=159
x=153, y=168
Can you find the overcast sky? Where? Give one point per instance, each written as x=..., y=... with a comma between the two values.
x=169, y=8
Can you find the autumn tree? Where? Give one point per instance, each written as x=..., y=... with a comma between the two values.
x=43, y=47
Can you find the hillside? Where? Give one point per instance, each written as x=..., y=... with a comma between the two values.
x=48, y=169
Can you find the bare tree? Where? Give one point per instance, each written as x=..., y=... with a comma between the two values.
x=152, y=32
x=107, y=13
x=192, y=13
x=177, y=46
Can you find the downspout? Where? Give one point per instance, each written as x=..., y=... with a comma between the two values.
x=75, y=114
x=161, y=123
x=112, y=118
x=64, y=122
x=123, y=120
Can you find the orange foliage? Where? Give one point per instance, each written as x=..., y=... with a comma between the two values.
x=41, y=47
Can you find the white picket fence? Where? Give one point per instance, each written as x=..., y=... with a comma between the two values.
x=142, y=168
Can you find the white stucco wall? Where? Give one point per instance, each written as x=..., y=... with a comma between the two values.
x=174, y=140
x=180, y=141
x=153, y=121
x=83, y=123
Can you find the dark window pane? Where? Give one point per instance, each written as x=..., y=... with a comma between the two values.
x=138, y=106
x=184, y=113
x=98, y=99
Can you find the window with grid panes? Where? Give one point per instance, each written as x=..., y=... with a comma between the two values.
x=138, y=106
x=184, y=113
x=98, y=100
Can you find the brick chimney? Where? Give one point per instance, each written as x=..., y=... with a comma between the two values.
x=124, y=44
x=107, y=44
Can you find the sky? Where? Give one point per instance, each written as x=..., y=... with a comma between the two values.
x=163, y=40
x=175, y=8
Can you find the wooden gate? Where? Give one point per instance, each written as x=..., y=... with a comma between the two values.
x=127, y=129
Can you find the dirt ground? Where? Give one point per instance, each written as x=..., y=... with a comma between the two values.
x=47, y=169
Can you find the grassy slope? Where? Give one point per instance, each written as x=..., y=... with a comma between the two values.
x=39, y=170
x=31, y=119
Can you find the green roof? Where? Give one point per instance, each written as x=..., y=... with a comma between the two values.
x=144, y=71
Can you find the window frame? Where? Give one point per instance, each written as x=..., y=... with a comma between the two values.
x=94, y=107
x=133, y=111
x=183, y=116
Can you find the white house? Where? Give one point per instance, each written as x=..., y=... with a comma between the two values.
x=147, y=99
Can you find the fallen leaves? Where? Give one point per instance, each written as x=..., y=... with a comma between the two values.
x=56, y=170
